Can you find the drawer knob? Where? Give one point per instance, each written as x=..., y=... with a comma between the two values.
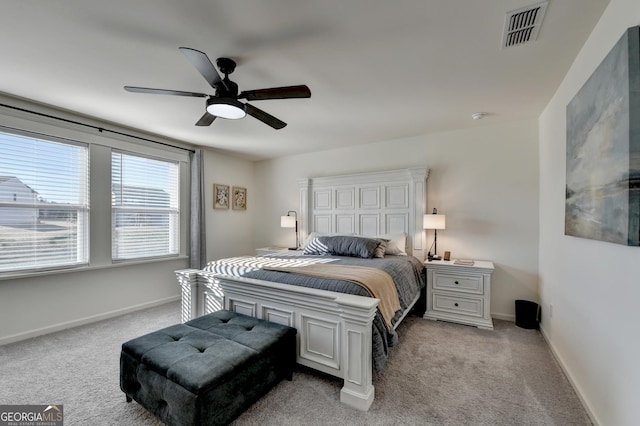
x=455, y=304
x=456, y=282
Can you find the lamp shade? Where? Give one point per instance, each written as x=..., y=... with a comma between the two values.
x=434, y=221
x=287, y=221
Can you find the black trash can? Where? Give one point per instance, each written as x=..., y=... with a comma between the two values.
x=527, y=314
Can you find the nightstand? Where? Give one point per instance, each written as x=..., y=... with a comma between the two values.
x=459, y=293
x=270, y=250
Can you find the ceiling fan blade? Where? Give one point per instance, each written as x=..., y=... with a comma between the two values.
x=163, y=92
x=264, y=117
x=203, y=64
x=206, y=119
x=288, y=92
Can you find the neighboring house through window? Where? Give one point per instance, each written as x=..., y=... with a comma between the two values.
x=145, y=213
x=44, y=202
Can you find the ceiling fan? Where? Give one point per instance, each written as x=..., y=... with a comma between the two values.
x=225, y=103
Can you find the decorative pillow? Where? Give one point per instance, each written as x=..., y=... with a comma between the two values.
x=381, y=249
x=397, y=244
x=309, y=238
x=315, y=247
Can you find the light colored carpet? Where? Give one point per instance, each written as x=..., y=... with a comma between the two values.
x=439, y=374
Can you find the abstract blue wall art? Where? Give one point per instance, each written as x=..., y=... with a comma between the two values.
x=602, y=200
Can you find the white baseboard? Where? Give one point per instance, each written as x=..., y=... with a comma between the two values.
x=567, y=373
x=504, y=317
x=83, y=321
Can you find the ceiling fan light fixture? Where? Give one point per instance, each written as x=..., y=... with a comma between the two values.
x=226, y=108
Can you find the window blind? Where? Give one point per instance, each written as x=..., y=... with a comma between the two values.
x=44, y=202
x=145, y=207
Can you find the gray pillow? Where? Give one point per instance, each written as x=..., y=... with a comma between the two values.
x=342, y=245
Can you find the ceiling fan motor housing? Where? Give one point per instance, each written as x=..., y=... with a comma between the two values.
x=228, y=88
x=226, y=65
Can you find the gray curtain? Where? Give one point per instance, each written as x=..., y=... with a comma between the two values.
x=198, y=236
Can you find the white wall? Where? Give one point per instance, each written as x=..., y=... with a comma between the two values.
x=38, y=305
x=593, y=286
x=229, y=232
x=485, y=180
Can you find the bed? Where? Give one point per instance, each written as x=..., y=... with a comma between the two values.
x=341, y=329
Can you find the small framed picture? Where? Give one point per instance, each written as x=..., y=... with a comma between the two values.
x=239, y=198
x=220, y=196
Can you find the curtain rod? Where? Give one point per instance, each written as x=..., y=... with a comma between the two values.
x=99, y=129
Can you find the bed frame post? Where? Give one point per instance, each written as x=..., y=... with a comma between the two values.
x=305, y=217
x=419, y=185
x=358, y=391
x=188, y=281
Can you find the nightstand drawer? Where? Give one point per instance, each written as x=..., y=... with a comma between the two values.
x=458, y=305
x=471, y=284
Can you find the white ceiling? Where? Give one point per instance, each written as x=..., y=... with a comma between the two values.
x=377, y=69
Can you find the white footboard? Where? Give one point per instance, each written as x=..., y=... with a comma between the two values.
x=334, y=329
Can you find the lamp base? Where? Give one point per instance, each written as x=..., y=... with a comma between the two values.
x=431, y=257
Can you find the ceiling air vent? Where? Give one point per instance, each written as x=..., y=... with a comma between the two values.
x=521, y=26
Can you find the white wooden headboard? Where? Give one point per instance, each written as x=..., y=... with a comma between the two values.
x=368, y=204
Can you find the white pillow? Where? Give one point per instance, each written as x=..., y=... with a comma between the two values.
x=397, y=244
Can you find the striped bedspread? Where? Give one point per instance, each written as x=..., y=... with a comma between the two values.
x=238, y=266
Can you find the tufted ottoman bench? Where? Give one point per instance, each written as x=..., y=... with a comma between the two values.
x=209, y=370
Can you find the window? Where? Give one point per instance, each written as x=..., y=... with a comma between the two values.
x=44, y=202
x=145, y=213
